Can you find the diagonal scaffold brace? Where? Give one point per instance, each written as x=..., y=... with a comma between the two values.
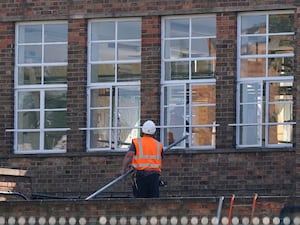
x=119, y=178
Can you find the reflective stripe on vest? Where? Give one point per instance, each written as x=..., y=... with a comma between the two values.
x=142, y=160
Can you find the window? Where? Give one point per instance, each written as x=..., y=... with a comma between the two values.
x=188, y=81
x=114, y=70
x=265, y=80
x=41, y=87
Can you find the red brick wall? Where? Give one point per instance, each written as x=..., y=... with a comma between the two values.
x=189, y=173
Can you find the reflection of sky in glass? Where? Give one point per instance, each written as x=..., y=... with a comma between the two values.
x=253, y=24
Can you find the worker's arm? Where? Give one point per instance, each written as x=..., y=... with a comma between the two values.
x=127, y=161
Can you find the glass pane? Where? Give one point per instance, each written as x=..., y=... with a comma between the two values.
x=169, y=137
x=177, y=28
x=129, y=72
x=203, y=115
x=253, y=24
x=29, y=75
x=103, y=30
x=55, y=140
x=280, y=113
x=100, y=97
x=282, y=66
x=102, y=51
x=280, y=44
x=100, y=118
x=102, y=73
x=251, y=92
x=203, y=94
x=56, y=32
x=28, y=141
x=281, y=23
x=280, y=134
x=250, y=113
x=29, y=100
x=129, y=50
x=56, y=53
x=30, y=54
x=177, y=70
x=175, y=49
x=253, y=45
x=203, y=26
x=254, y=67
x=129, y=96
x=280, y=91
x=203, y=136
x=125, y=137
x=55, y=119
x=99, y=139
x=174, y=95
x=129, y=30
x=203, y=47
x=30, y=33
x=28, y=120
x=249, y=135
x=202, y=69
x=55, y=99
x=55, y=75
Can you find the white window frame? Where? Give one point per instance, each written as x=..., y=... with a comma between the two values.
x=113, y=86
x=41, y=88
x=187, y=84
x=264, y=82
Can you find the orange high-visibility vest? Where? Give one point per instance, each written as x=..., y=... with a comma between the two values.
x=148, y=154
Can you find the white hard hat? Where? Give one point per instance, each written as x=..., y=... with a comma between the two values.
x=149, y=127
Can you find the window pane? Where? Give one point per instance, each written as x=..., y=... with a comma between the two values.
x=28, y=120
x=55, y=140
x=203, y=115
x=129, y=50
x=281, y=23
x=100, y=117
x=203, y=47
x=177, y=70
x=176, y=49
x=203, y=26
x=129, y=96
x=202, y=69
x=56, y=33
x=203, y=94
x=29, y=75
x=249, y=135
x=280, y=134
x=254, y=67
x=30, y=33
x=280, y=113
x=124, y=137
x=29, y=100
x=174, y=95
x=251, y=93
x=177, y=28
x=103, y=30
x=55, y=75
x=129, y=72
x=28, y=141
x=102, y=51
x=250, y=113
x=55, y=119
x=30, y=54
x=55, y=99
x=253, y=45
x=203, y=136
x=280, y=44
x=129, y=30
x=99, y=138
x=280, y=91
x=100, y=97
x=281, y=66
x=102, y=73
x=56, y=53
x=253, y=24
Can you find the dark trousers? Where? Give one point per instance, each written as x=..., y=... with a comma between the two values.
x=147, y=185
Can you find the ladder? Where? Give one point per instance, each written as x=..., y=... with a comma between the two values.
x=232, y=206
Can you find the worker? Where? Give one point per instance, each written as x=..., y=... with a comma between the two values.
x=145, y=156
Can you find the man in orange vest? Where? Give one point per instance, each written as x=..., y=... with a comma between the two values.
x=145, y=156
